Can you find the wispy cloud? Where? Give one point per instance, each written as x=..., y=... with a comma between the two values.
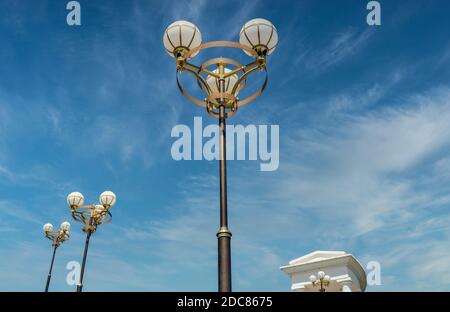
x=361, y=154
x=343, y=46
x=10, y=209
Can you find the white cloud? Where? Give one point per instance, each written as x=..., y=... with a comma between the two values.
x=191, y=9
x=356, y=163
x=344, y=45
x=10, y=209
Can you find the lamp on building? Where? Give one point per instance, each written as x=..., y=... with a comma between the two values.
x=321, y=280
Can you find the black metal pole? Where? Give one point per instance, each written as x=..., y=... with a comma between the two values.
x=224, y=234
x=86, y=246
x=47, y=285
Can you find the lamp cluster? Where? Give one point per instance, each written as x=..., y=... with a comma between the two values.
x=91, y=216
x=221, y=79
x=59, y=236
x=321, y=280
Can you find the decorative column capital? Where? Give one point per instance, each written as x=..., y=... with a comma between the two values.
x=346, y=284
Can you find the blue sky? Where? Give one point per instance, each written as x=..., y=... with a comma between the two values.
x=364, y=116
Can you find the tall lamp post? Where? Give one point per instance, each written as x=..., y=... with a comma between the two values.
x=91, y=216
x=57, y=238
x=221, y=80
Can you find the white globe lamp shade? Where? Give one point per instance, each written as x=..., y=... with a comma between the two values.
x=107, y=199
x=259, y=34
x=326, y=278
x=321, y=275
x=99, y=208
x=75, y=199
x=313, y=278
x=65, y=226
x=213, y=82
x=181, y=35
x=48, y=227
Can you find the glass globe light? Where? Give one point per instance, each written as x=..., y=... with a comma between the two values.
x=259, y=34
x=181, y=35
x=213, y=82
x=326, y=278
x=99, y=209
x=75, y=199
x=48, y=227
x=313, y=278
x=321, y=274
x=65, y=226
x=107, y=199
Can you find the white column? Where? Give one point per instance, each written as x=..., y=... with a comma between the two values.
x=346, y=286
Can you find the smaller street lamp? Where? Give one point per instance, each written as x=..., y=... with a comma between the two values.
x=91, y=216
x=321, y=280
x=57, y=238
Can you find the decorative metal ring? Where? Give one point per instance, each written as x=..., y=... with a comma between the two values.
x=220, y=60
x=214, y=44
x=109, y=216
x=213, y=97
x=257, y=93
x=227, y=61
x=186, y=94
x=84, y=216
x=211, y=103
x=216, y=115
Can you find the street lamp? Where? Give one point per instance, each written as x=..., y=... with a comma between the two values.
x=221, y=80
x=321, y=280
x=57, y=237
x=91, y=216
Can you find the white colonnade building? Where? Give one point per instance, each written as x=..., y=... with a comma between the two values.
x=343, y=272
